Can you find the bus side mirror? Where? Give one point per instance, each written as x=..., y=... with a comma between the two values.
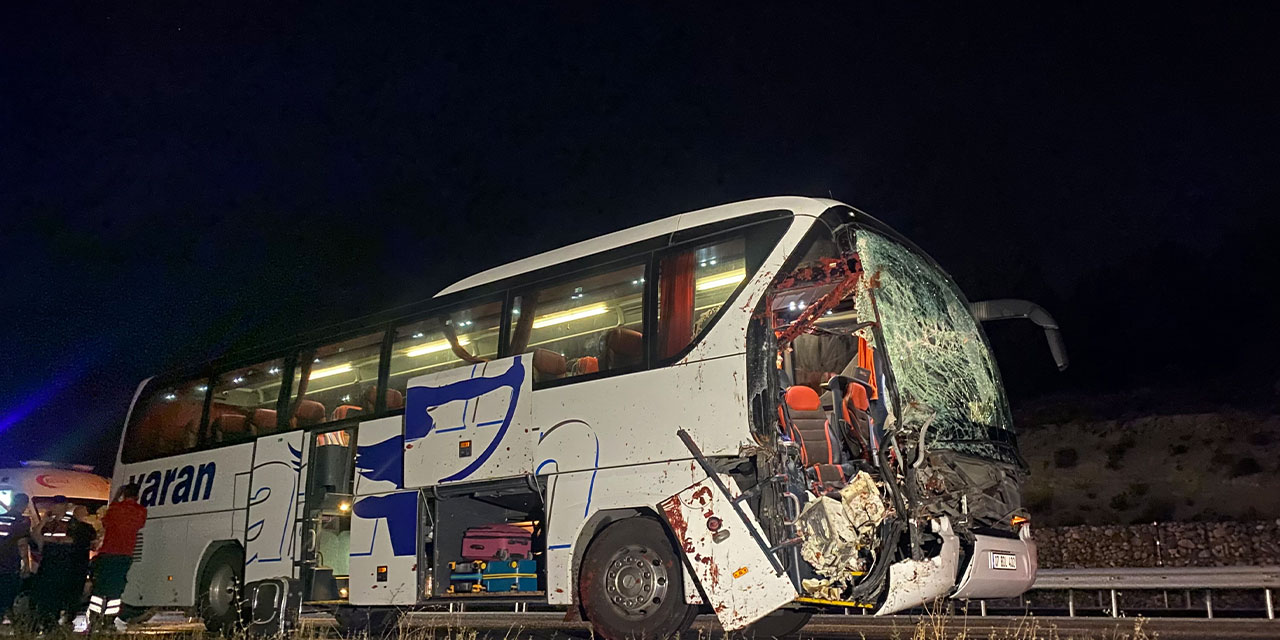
x=1011, y=309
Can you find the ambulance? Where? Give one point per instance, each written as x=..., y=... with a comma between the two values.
x=44, y=481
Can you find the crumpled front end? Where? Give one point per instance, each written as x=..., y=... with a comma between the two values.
x=893, y=432
x=916, y=582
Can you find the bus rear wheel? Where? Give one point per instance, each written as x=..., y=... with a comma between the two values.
x=630, y=583
x=219, y=603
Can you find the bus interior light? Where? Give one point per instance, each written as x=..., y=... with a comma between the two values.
x=434, y=347
x=331, y=371
x=722, y=280
x=577, y=313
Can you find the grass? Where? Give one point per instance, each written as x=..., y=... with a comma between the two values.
x=935, y=626
x=932, y=626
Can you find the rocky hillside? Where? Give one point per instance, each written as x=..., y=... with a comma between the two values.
x=1190, y=467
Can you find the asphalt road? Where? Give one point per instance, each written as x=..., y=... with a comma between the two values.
x=551, y=626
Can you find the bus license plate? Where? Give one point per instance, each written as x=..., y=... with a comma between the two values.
x=1005, y=561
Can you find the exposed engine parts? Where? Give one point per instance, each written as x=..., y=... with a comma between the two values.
x=838, y=533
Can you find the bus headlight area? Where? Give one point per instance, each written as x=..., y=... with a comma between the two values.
x=792, y=392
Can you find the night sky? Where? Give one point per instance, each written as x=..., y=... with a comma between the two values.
x=178, y=182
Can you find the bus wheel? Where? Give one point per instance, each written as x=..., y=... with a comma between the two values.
x=630, y=583
x=366, y=621
x=779, y=624
x=219, y=595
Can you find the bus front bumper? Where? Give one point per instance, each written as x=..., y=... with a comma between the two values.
x=999, y=567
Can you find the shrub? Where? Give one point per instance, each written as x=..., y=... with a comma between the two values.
x=1038, y=501
x=1245, y=467
x=1156, y=510
x=1120, y=502
x=1066, y=458
x=1259, y=438
x=1115, y=452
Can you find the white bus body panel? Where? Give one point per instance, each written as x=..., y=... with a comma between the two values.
x=384, y=519
x=192, y=501
x=611, y=443
x=469, y=424
x=740, y=582
x=570, y=495
x=270, y=546
x=596, y=437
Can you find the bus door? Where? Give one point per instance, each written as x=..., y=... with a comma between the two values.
x=325, y=518
x=270, y=537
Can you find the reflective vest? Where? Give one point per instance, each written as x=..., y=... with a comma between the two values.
x=56, y=531
x=7, y=523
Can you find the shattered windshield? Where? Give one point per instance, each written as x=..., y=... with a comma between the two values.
x=948, y=384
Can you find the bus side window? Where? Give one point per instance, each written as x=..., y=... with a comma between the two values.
x=439, y=343
x=589, y=324
x=244, y=402
x=166, y=421
x=335, y=381
x=692, y=286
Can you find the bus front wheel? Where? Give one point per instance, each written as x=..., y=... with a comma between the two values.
x=630, y=583
x=220, y=583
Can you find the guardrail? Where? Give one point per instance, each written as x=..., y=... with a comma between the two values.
x=1206, y=579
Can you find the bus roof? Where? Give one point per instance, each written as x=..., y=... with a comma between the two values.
x=797, y=204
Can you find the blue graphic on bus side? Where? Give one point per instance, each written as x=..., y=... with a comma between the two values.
x=400, y=510
x=382, y=461
x=418, y=422
x=177, y=485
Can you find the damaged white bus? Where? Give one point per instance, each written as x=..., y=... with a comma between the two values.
x=756, y=410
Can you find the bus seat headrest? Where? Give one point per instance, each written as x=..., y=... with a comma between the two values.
x=802, y=398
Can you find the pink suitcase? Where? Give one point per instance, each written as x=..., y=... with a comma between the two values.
x=496, y=542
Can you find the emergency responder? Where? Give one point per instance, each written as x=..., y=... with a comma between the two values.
x=122, y=521
x=15, y=530
x=64, y=542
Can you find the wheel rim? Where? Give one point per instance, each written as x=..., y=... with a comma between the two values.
x=636, y=581
x=223, y=589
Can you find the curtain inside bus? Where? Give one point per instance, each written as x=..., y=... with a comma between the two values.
x=675, y=300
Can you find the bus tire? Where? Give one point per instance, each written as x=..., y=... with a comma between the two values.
x=630, y=583
x=779, y=624
x=374, y=622
x=218, y=601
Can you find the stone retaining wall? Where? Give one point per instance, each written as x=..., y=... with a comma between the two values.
x=1168, y=544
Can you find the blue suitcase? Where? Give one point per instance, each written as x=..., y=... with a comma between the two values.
x=493, y=577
